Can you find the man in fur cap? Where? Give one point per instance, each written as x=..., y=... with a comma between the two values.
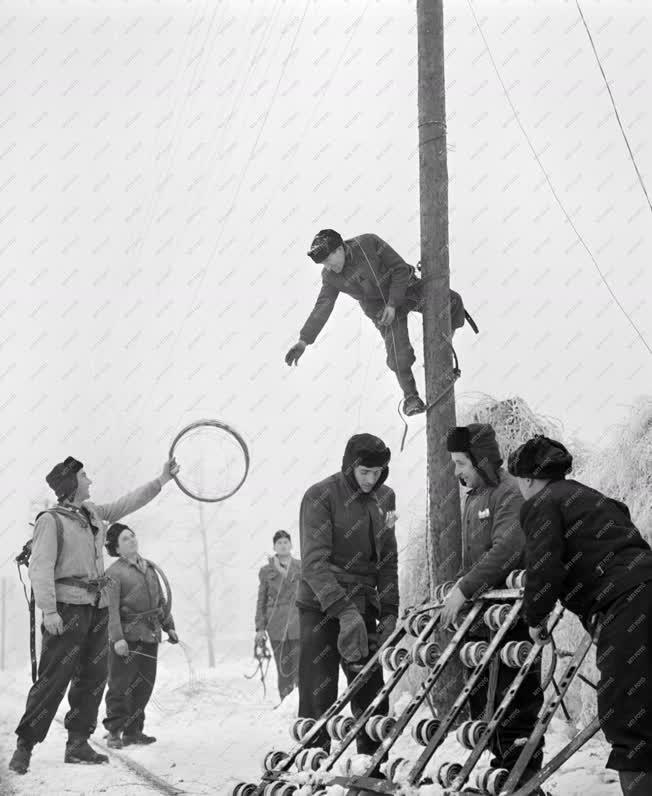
x=348, y=595
x=492, y=546
x=386, y=287
x=71, y=590
x=583, y=549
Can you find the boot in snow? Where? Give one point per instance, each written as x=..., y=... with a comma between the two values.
x=114, y=741
x=138, y=738
x=19, y=762
x=413, y=405
x=78, y=750
x=635, y=783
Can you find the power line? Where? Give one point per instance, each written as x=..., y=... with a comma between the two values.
x=613, y=103
x=550, y=185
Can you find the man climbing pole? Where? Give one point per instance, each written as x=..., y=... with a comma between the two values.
x=71, y=589
x=276, y=611
x=492, y=546
x=583, y=549
x=348, y=598
x=387, y=288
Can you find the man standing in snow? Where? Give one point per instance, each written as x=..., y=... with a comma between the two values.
x=348, y=596
x=137, y=614
x=67, y=575
x=369, y=270
x=492, y=546
x=276, y=611
x=583, y=549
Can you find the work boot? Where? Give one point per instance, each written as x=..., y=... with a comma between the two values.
x=78, y=750
x=137, y=738
x=114, y=741
x=19, y=762
x=635, y=783
x=413, y=405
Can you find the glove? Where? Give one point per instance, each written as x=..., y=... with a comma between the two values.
x=260, y=636
x=172, y=636
x=352, y=641
x=295, y=353
x=386, y=627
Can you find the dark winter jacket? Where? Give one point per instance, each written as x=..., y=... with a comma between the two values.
x=492, y=539
x=373, y=273
x=135, y=592
x=276, y=610
x=348, y=547
x=581, y=548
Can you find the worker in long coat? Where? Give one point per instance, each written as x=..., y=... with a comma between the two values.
x=583, y=549
x=276, y=611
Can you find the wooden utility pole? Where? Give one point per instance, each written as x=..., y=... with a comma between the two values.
x=443, y=488
x=206, y=576
x=206, y=571
x=3, y=622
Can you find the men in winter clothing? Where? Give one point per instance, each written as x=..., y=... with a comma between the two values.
x=67, y=575
x=386, y=287
x=583, y=549
x=348, y=596
x=492, y=546
x=137, y=613
x=276, y=611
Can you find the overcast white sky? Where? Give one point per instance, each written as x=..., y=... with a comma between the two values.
x=164, y=166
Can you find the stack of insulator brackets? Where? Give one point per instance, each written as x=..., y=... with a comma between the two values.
x=418, y=623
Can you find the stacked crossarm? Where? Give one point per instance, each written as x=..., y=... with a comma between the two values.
x=499, y=609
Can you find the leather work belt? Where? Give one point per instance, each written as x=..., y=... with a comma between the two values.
x=352, y=577
x=133, y=617
x=93, y=585
x=90, y=584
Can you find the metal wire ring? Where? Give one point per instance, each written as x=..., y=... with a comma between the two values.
x=223, y=427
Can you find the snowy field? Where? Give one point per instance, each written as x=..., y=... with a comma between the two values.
x=214, y=728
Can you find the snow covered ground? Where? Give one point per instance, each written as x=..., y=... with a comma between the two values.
x=214, y=728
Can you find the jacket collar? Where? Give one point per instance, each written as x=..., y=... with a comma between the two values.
x=275, y=564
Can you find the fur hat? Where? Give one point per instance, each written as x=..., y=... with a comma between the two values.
x=325, y=242
x=112, y=536
x=62, y=478
x=541, y=457
x=478, y=441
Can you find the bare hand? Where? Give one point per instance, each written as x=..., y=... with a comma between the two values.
x=390, y=519
x=172, y=637
x=53, y=623
x=451, y=608
x=121, y=648
x=387, y=318
x=170, y=469
x=295, y=353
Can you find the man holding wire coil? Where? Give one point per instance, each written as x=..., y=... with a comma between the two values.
x=137, y=613
x=387, y=288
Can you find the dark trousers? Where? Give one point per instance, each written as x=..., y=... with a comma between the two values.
x=522, y=713
x=131, y=682
x=78, y=657
x=286, y=658
x=400, y=354
x=624, y=660
x=319, y=663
